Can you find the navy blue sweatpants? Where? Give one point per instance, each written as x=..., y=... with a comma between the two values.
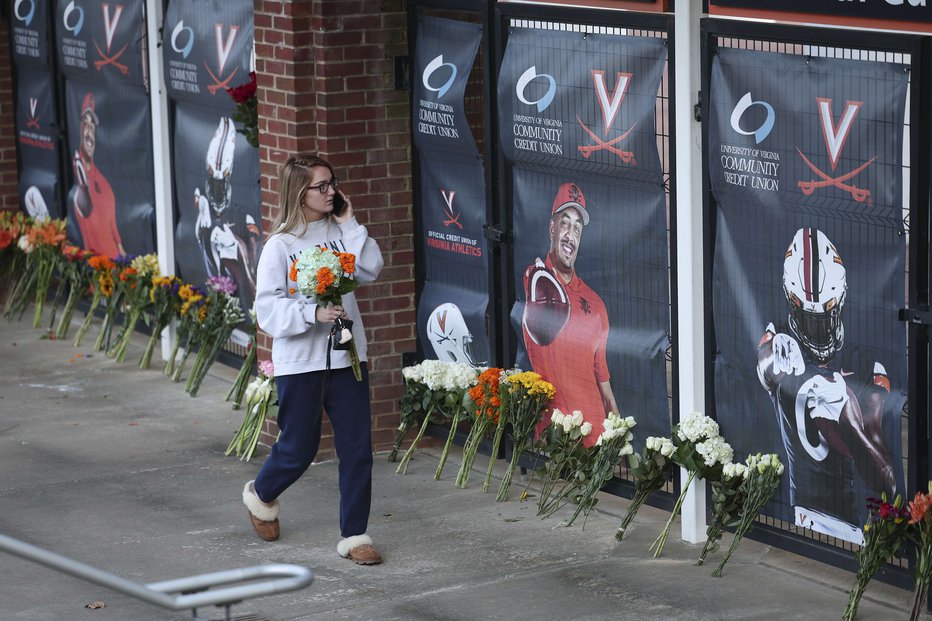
x=299, y=419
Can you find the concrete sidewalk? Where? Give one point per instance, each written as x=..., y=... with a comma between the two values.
x=119, y=468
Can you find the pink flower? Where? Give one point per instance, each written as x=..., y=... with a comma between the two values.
x=266, y=368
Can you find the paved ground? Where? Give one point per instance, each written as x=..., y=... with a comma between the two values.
x=119, y=468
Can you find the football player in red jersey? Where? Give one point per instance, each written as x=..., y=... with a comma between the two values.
x=830, y=420
x=565, y=323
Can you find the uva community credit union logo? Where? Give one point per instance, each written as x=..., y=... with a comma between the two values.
x=835, y=139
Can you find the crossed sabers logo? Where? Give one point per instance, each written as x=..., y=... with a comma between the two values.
x=835, y=138
x=611, y=105
x=33, y=120
x=452, y=217
x=110, y=26
x=223, y=53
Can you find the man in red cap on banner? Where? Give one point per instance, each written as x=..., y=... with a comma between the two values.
x=565, y=323
x=92, y=197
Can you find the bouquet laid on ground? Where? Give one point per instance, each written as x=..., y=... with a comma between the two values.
x=76, y=272
x=247, y=109
x=260, y=394
x=192, y=300
x=46, y=239
x=473, y=399
x=524, y=396
x=163, y=304
x=728, y=495
x=441, y=387
x=223, y=314
x=327, y=275
x=563, y=443
x=920, y=519
x=702, y=452
x=101, y=282
x=651, y=470
x=112, y=288
x=135, y=281
x=499, y=421
x=762, y=480
x=484, y=413
x=12, y=257
x=238, y=389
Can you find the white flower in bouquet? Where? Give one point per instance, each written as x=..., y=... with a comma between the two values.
x=585, y=429
x=715, y=451
x=556, y=419
x=24, y=244
x=697, y=427
x=733, y=470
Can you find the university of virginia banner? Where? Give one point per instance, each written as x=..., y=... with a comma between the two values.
x=805, y=158
x=37, y=125
x=100, y=47
x=451, y=198
x=589, y=224
x=218, y=216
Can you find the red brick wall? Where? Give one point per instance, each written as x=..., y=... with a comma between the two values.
x=9, y=195
x=326, y=83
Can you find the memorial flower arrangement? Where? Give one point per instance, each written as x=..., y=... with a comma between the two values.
x=468, y=400
x=703, y=453
x=524, y=397
x=259, y=396
x=238, y=389
x=761, y=481
x=112, y=288
x=442, y=388
x=164, y=304
x=46, y=239
x=327, y=275
x=651, y=470
x=77, y=274
x=191, y=299
x=484, y=413
x=12, y=258
x=563, y=442
x=101, y=283
x=221, y=314
x=494, y=400
x=728, y=495
x=24, y=278
x=247, y=109
x=920, y=521
x=135, y=281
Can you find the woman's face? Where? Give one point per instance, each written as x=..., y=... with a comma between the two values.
x=316, y=204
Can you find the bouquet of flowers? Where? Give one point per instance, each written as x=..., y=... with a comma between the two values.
x=486, y=411
x=190, y=313
x=247, y=109
x=327, y=275
x=112, y=287
x=77, y=274
x=238, y=389
x=566, y=453
x=495, y=403
x=259, y=396
x=728, y=495
x=46, y=239
x=458, y=414
x=920, y=518
x=524, y=396
x=135, y=281
x=446, y=384
x=763, y=479
x=222, y=316
x=702, y=452
x=101, y=282
x=12, y=256
x=164, y=303
x=651, y=470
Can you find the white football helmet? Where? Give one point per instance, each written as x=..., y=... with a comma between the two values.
x=815, y=284
x=219, y=186
x=450, y=336
x=35, y=204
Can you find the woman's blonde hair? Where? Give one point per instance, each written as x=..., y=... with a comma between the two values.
x=294, y=178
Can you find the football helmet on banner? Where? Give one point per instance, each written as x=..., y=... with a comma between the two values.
x=450, y=336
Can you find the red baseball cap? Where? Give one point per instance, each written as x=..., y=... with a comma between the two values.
x=88, y=107
x=569, y=195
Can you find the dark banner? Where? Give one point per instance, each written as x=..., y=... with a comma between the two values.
x=809, y=273
x=97, y=38
x=453, y=304
x=899, y=10
x=443, y=60
x=207, y=48
x=37, y=131
x=30, y=31
x=219, y=221
x=110, y=204
x=581, y=102
x=592, y=307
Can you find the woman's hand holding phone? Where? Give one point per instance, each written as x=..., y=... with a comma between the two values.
x=342, y=208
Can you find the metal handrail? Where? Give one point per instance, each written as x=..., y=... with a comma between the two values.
x=180, y=593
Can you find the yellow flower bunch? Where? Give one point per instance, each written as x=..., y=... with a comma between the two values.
x=533, y=383
x=146, y=264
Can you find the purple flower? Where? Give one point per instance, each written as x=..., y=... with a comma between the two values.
x=222, y=284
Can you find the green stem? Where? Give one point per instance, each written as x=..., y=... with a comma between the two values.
x=403, y=465
x=640, y=496
x=154, y=339
x=657, y=546
x=496, y=442
x=95, y=302
x=509, y=473
x=446, y=447
x=64, y=323
x=712, y=536
x=399, y=437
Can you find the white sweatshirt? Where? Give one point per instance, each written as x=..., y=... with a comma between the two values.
x=299, y=342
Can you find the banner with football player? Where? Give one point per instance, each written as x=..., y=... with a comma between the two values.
x=444, y=55
x=581, y=102
x=592, y=307
x=218, y=217
x=452, y=305
x=37, y=130
x=30, y=32
x=805, y=158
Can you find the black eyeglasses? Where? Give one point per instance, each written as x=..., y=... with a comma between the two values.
x=326, y=185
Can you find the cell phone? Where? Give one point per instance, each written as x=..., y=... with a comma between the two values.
x=339, y=204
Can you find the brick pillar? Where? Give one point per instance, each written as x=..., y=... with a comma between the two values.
x=9, y=193
x=325, y=72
